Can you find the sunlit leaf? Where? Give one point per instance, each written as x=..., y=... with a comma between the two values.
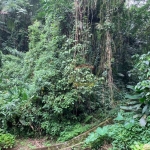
x=119, y=117
x=137, y=96
x=142, y=122
x=144, y=109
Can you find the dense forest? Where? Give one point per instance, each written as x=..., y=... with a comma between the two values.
x=68, y=65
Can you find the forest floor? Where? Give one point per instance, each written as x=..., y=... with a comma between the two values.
x=28, y=144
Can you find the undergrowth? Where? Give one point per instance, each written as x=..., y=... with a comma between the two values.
x=6, y=140
x=124, y=134
x=72, y=131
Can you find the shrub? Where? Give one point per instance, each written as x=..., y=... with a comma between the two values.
x=141, y=71
x=6, y=140
x=72, y=131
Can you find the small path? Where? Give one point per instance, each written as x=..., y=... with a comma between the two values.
x=44, y=144
x=76, y=142
x=28, y=144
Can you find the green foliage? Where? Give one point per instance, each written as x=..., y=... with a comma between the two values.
x=10, y=5
x=137, y=146
x=14, y=21
x=10, y=75
x=54, y=84
x=140, y=97
x=12, y=103
x=55, y=80
x=72, y=131
x=122, y=134
x=6, y=141
x=50, y=89
x=97, y=138
x=142, y=71
x=0, y=59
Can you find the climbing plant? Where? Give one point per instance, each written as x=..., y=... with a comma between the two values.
x=63, y=60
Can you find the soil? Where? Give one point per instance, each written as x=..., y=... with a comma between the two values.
x=28, y=144
x=106, y=147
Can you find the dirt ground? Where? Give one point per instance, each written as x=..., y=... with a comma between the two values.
x=106, y=147
x=28, y=144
